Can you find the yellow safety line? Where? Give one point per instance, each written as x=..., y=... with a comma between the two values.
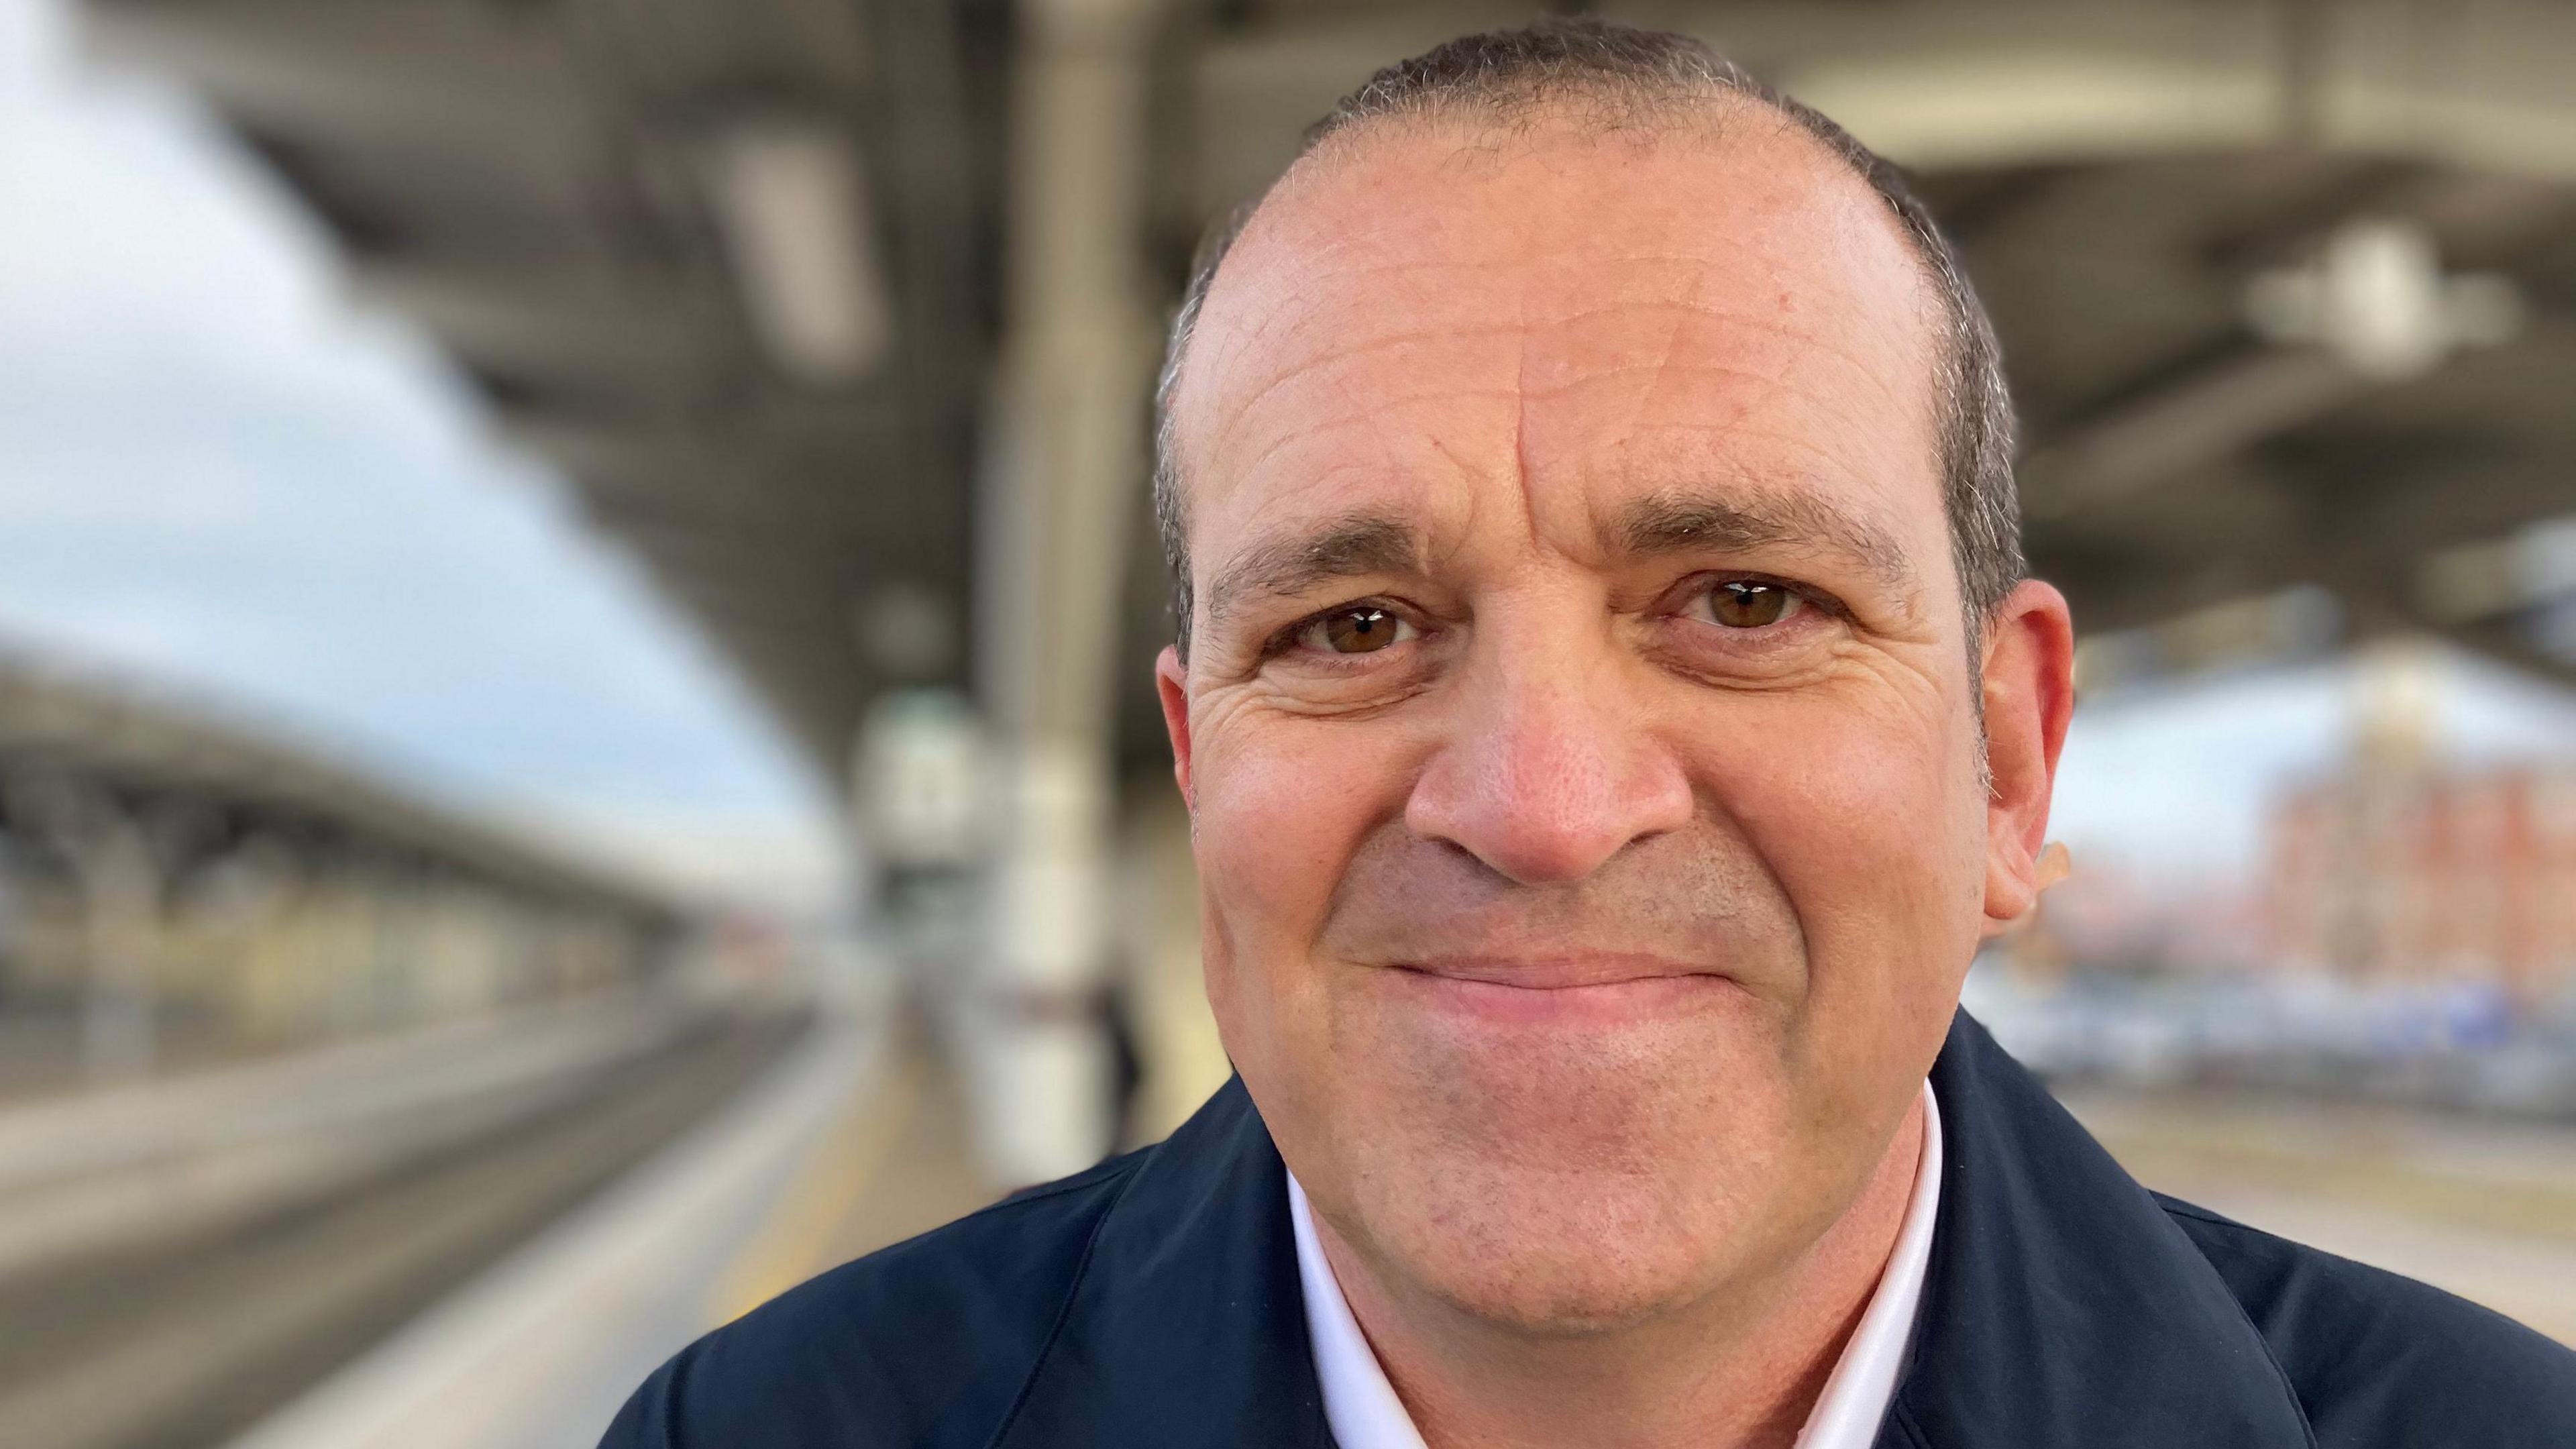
x=793, y=1241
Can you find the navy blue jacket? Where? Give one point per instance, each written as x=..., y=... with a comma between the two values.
x=1153, y=1302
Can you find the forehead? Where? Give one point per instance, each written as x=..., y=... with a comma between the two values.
x=1581, y=313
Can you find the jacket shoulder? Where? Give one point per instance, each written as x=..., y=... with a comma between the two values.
x=926, y=1343
x=2379, y=1360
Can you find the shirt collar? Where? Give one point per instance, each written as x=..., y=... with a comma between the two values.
x=1364, y=1412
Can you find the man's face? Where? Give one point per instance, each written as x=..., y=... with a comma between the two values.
x=1580, y=724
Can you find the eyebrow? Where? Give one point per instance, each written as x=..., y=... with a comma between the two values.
x=1665, y=523
x=1348, y=547
x=1677, y=522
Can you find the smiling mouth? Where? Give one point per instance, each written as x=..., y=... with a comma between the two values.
x=1584, y=992
x=1562, y=973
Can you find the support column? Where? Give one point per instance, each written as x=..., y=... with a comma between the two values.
x=1068, y=467
x=121, y=892
x=120, y=884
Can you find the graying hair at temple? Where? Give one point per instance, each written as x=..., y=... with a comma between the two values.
x=1619, y=78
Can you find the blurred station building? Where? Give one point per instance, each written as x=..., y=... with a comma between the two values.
x=843, y=317
x=2397, y=868
x=166, y=874
x=2440, y=875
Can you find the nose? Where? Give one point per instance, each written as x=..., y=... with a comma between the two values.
x=1549, y=771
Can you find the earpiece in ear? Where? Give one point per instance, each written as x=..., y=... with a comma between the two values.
x=2054, y=862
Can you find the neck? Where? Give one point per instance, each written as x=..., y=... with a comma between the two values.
x=1737, y=1368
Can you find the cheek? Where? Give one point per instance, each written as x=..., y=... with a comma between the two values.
x=1872, y=820
x=1283, y=805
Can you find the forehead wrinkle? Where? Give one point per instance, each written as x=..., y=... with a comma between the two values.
x=1663, y=368
x=1739, y=429
x=1660, y=376
x=1354, y=544
x=1687, y=308
x=1238, y=414
x=1669, y=362
x=1732, y=320
x=1302, y=283
x=1366, y=416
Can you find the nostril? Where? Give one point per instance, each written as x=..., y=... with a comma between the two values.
x=1549, y=780
x=1530, y=838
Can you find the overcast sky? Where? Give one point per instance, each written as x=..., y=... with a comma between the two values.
x=215, y=475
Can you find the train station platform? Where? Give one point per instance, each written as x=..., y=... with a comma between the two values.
x=853, y=1140
x=181, y=1255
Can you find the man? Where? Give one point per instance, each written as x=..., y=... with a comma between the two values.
x=1611, y=714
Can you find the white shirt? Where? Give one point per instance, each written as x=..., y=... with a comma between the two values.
x=1364, y=1412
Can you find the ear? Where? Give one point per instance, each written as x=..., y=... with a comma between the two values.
x=2029, y=684
x=1172, y=683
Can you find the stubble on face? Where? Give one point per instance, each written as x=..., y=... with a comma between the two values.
x=1498, y=350
x=1571, y=1114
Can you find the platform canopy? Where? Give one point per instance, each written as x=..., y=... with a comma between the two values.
x=82, y=752
x=2288, y=291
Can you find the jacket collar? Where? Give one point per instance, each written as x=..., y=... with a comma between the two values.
x=2061, y=1306
x=1186, y=1325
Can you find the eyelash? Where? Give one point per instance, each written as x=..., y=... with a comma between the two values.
x=1677, y=598
x=1699, y=584
x=1286, y=639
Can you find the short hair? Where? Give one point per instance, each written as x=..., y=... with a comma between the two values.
x=1619, y=77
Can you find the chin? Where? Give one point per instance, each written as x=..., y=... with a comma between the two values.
x=1573, y=1190
x=1553, y=1256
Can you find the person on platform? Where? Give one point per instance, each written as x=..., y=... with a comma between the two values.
x=1612, y=712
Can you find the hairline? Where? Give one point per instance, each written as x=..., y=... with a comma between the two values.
x=1607, y=105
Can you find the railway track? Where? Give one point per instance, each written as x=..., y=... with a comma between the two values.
x=183, y=1343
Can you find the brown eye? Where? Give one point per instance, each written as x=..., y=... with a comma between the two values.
x=1360, y=629
x=1745, y=604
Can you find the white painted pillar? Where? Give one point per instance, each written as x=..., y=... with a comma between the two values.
x=1069, y=466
